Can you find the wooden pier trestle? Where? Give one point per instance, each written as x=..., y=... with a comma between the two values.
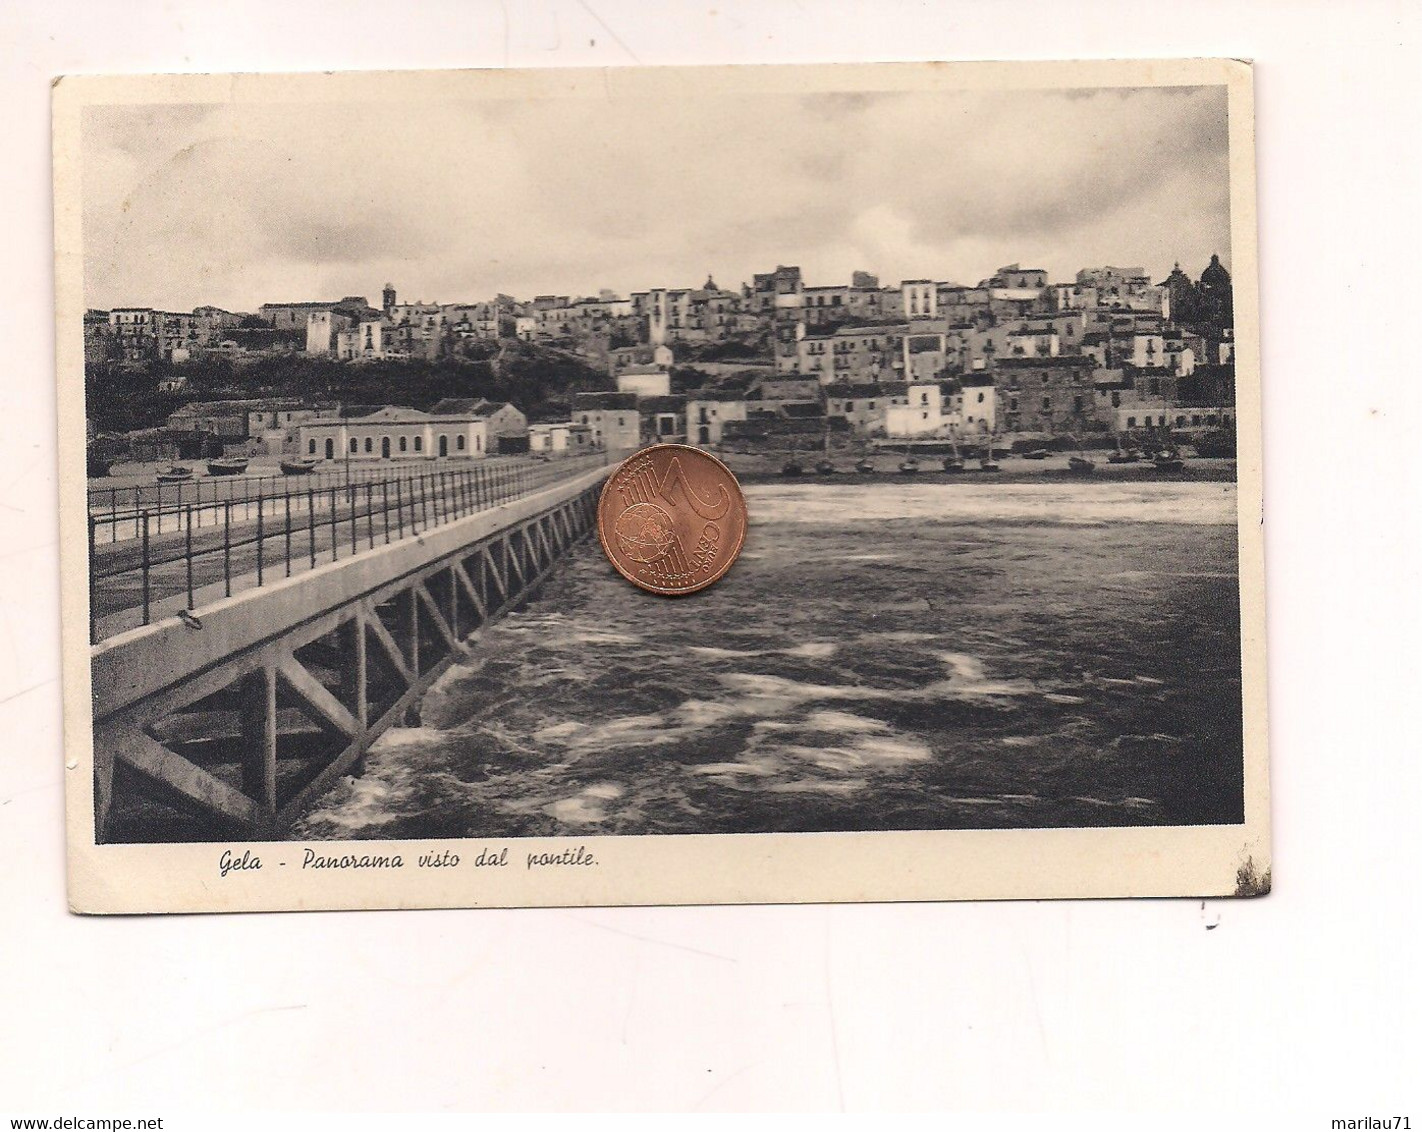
x=240, y=716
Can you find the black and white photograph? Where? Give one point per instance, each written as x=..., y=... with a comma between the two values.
x=360, y=353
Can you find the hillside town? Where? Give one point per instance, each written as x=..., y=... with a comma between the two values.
x=772, y=364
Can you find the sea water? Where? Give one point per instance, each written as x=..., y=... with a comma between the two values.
x=882, y=656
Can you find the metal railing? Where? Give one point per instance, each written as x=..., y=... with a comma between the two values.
x=212, y=491
x=203, y=549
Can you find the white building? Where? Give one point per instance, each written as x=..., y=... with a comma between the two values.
x=612, y=418
x=707, y=414
x=549, y=439
x=395, y=433
x=644, y=381
x=370, y=341
x=920, y=298
x=318, y=332
x=975, y=408
x=559, y=438
x=914, y=409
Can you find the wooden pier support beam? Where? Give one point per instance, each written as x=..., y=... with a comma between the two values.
x=258, y=722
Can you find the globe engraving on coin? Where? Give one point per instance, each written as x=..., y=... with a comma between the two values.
x=671, y=519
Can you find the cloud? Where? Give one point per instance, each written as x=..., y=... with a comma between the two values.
x=241, y=204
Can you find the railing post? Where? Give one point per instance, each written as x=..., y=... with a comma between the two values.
x=400, y=508
x=287, y=498
x=261, y=510
x=385, y=508
x=145, y=567
x=311, y=523
x=369, y=515
x=188, y=554
x=333, y=524
x=351, y=493
x=227, y=547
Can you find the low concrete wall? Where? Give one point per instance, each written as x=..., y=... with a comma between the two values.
x=142, y=661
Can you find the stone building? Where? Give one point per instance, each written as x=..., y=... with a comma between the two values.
x=1053, y=395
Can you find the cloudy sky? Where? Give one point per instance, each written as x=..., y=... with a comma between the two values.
x=238, y=205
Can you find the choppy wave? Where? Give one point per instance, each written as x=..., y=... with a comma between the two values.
x=916, y=657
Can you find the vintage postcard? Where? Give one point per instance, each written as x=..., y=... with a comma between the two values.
x=346, y=361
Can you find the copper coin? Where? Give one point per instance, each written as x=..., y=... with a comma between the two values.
x=671, y=519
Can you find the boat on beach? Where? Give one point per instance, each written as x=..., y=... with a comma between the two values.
x=909, y=464
x=1080, y=464
x=792, y=466
x=1035, y=454
x=227, y=466
x=987, y=461
x=175, y=473
x=298, y=467
x=953, y=462
x=1169, y=460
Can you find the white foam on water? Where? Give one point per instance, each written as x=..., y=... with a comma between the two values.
x=826, y=720
x=812, y=649
x=887, y=749
x=756, y=769
x=706, y=713
x=407, y=737
x=594, y=636
x=1068, y=504
x=577, y=810
x=817, y=650
x=967, y=680
x=629, y=731
x=1060, y=698
x=843, y=787
x=370, y=800
x=775, y=695
x=723, y=654
x=962, y=665
x=556, y=731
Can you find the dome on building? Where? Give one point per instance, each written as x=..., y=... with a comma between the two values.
x=1215, y=275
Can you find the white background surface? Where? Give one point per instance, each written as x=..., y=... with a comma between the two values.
x=1305, y=1001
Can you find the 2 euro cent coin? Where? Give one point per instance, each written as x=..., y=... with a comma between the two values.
x=671, y=519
